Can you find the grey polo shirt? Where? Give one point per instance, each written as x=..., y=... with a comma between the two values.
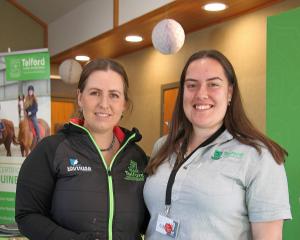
x=218, y=191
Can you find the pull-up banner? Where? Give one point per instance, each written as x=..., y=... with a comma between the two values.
x=27, y=66
x=19, y=72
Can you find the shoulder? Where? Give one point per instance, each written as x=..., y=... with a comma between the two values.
x=158, y=144
x=53, y=139
x=49, y=144
x=42, y=156
x=259, y=165
x=249, y=158
x=136, y=152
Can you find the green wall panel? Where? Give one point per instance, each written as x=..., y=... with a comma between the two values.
x=283, y=102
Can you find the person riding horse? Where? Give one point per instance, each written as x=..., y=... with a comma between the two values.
x=1, y=129
x=31, y=108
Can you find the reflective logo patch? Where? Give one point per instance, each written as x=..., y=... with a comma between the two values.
x=132, y=173
x=75, y=166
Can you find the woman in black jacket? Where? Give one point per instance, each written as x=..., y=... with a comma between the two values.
x=86, y=182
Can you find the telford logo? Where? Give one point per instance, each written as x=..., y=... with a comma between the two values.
x=15, y=70
x=133, y=174
x=76, y=166
x=219, y=154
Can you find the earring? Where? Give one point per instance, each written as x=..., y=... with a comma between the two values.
x=229, y=101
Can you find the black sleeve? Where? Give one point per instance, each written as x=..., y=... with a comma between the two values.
x=35, y=185
x=146, y=221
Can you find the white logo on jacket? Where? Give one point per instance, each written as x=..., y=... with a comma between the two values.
x=76, y=166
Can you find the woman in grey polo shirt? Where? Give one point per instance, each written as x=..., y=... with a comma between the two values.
x=214, y=176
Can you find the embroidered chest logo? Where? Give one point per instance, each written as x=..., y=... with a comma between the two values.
x=132, y=173
x=219, y=154
x=75, y=166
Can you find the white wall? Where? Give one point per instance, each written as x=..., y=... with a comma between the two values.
x=88, y=20
x=130, y=9
x=93, y=18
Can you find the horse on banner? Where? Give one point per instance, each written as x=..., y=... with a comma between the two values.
x=27, y=135
x=8, y=135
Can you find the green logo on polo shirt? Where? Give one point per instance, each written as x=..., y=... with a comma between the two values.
x=133, y=174
x=219, y=154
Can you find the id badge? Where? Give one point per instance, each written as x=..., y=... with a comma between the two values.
x=167, y=226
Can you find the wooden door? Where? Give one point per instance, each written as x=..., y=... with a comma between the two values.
x=61, y=112
x=169, y=95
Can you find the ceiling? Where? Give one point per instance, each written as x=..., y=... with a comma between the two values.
x=111, y=44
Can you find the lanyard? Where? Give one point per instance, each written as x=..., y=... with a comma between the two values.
x=171, y=180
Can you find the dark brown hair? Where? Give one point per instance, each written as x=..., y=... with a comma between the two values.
x=104, y=65
x=235, y=120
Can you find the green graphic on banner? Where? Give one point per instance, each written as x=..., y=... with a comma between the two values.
x=28, y=66
x=9, y=171
x=7, y=207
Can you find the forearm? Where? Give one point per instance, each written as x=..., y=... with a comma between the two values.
x=36, y=226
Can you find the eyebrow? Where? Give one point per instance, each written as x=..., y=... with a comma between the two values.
x=98, y=89
x=208, y=79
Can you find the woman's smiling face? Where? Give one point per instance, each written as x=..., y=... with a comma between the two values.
x=207, y=93
x=102, y=101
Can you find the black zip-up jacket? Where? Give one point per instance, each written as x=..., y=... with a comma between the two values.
x=66, y=191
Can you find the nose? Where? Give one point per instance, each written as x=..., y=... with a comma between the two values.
x=103, y=101
x=202, y=92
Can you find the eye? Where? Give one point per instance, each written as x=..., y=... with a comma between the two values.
x=190, y=85
x=114, y=95
x=95, y=93
x=213, y=84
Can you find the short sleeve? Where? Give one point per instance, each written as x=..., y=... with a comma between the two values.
x=267, y=195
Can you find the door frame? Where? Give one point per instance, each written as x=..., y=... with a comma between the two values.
x=164, y=88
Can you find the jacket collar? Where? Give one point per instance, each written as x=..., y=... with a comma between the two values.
x=76, y=125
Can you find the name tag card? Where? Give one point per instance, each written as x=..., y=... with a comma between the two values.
x=167, y=226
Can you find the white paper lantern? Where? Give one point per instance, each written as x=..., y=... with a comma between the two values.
x=69, y=71
x=168, y=36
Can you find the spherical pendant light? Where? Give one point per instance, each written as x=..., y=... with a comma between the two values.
x=70, y=71
x=168, y=36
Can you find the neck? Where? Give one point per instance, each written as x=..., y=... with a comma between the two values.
x=199, y=135
x=104, y=139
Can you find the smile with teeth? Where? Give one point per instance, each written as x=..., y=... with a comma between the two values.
x=202, y=106
x=100, y=114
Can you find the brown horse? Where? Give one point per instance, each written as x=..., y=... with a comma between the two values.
x=27, y=138
x=8, y=135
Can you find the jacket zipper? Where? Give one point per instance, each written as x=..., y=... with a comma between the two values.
x=110, y=185
x=109, y=178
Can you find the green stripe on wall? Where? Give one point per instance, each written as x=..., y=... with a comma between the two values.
x=283, y=102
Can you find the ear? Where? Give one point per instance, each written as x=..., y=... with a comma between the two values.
x=230, y=92
x=79, y=96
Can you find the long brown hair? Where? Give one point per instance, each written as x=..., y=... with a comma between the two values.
x=104, y=64
x=235, y=120
x=29, y=101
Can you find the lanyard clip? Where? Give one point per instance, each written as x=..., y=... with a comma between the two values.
x=167, y=210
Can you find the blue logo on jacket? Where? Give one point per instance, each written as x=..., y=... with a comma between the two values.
x=77, y=167
x=73, y=161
